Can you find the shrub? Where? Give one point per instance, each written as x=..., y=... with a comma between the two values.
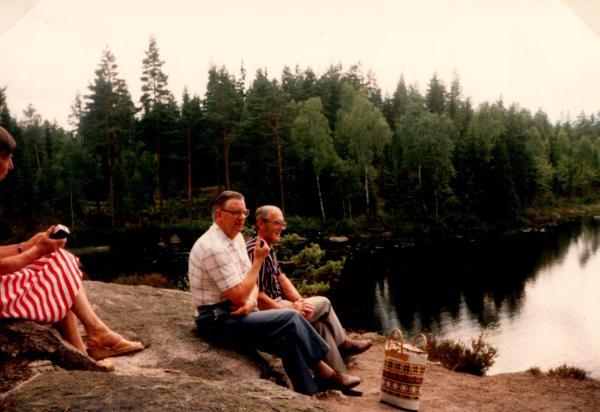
x=535, y=371
x=456, y=356
x=304, y=265
x=312, y=289
x=569, y=372
x=183, y=283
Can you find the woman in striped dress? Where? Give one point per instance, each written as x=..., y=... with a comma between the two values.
x=41, y=281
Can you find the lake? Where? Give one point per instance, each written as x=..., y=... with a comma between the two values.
x=535, y=296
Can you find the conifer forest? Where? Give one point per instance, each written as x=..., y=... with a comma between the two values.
x=327, y=147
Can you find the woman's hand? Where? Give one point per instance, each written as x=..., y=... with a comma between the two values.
x=28, y=244
x=44, y=244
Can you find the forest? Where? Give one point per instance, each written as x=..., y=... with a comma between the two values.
x=329, y=149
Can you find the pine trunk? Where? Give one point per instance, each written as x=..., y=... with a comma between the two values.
x=279, y=162
x=320, y=199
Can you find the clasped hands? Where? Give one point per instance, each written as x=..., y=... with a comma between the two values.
x=306, y=309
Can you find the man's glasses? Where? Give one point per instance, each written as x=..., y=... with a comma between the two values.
x=238, y=213
x=279, y=223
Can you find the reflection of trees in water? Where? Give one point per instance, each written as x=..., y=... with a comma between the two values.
x=384, y=306
x=589, y=240
x=420, y=288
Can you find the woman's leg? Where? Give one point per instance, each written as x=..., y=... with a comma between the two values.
x=69, y=330
x=96, y=330
x=102, y=341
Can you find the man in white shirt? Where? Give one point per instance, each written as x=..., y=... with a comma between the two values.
x=223, y=283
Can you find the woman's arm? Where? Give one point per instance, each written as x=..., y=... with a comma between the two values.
x=10, y=250
x=31, y=251
x=18, y=248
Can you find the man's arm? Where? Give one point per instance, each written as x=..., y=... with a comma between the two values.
x=248, y=306
x=290, y=293
x=288, y=289
x=239, y=294
x=266, y=302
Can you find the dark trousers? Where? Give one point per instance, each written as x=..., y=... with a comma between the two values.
x=282, y=332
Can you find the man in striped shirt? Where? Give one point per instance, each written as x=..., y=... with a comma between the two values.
x=276, y=291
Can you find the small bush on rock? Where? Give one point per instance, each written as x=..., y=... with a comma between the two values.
x=456, y=356
x=569, y=372
x=535, y=371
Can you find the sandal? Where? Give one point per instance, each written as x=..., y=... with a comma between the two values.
x=121, y=347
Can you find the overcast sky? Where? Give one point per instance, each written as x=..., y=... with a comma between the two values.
x=541, y=54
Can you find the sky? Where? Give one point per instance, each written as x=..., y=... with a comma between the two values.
x=540, y=54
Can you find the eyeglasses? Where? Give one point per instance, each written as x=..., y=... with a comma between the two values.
x=280, y=223
x=238, y=213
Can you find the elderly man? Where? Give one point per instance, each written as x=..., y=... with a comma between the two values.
x=277, y=291
x=223, y=283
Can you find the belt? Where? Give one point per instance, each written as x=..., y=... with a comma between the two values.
x=225, y=303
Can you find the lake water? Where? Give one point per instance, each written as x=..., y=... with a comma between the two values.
x=535, y=296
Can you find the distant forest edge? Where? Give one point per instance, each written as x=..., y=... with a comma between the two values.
x=328, y=149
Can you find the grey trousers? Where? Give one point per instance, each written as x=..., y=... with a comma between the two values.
x=327, y=324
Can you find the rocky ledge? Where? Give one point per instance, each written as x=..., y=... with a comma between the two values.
x=180, y=371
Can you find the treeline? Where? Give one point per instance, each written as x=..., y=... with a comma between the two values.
x=328, y=146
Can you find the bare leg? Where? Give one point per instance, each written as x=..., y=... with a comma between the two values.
x=95, y=328
x=70, y=332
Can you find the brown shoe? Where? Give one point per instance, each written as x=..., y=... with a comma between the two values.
x=354, y=347
x=340, y=381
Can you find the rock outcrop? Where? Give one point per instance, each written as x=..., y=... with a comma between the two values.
x=180, y=371
x=177, y=371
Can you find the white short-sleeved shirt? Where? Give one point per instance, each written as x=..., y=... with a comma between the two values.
x=216, y=264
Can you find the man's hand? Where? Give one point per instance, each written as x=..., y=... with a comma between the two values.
x=262, y=248
x=243, y=310
x=306, y=309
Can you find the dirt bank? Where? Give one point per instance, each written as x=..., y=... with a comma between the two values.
x=444, y=390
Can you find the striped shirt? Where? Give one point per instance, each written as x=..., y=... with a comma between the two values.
x=43, y=291
x=217, y=263
x=269, y=271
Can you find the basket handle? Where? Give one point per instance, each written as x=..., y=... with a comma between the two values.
x=395, y=336
x=424, y=337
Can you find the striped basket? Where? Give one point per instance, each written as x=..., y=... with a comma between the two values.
x=403, y=370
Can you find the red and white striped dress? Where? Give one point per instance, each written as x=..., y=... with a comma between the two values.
x=44, y=291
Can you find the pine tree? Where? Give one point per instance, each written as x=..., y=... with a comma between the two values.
x=223, y=110
x=436, y=95
x=106, y=127
x=159, y=117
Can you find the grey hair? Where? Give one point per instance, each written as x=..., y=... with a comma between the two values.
x=223, y=198
x=262, y=213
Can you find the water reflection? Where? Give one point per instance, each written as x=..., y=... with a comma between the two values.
x=533, y=294
x=384, y=306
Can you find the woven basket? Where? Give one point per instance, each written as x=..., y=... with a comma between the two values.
x=403, y=371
